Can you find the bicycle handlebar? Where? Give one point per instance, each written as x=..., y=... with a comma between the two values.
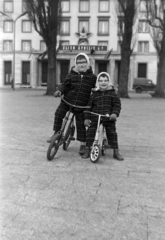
x=75, y=106
x=96, y=114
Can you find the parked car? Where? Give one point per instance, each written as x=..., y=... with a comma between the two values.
x=143, y=84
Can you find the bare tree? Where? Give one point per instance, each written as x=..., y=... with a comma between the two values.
x=45, y=16
x=126, y=23
x=155, y=14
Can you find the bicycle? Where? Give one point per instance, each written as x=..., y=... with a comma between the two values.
x=66, y=133
x=100, y=141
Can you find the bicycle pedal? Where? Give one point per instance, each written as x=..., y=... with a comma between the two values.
x=72, y=138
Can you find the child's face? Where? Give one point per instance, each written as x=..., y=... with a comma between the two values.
x=103, y=83
x=81, y=65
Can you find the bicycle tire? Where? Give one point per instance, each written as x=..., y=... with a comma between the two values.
x=70, y=133
x=95, y=153
x=54, y=145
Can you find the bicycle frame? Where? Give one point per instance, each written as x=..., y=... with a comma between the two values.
x=66, y=118
x=99, y=133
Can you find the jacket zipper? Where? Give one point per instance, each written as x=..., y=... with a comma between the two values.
x=79, y=89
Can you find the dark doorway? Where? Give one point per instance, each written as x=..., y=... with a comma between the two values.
x=142, y=70
x=44, y=73
x=102, y=66
x=7, y=72
x=26, y=73
x=64, y=70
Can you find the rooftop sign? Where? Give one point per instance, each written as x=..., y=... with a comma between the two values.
x=82, y=48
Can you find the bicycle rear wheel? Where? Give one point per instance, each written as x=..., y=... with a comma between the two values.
x=95, y=153
x=68, y=137
x=54, y=146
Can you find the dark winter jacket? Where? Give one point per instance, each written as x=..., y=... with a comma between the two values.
x=103, y=102
x=77, y=87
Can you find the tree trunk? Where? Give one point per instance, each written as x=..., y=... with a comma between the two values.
x=51, y=82
x=160, y=86
x=124, y=73
x=126, y=51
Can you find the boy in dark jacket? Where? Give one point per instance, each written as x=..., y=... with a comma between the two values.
x=105, y=101
x=76, y=90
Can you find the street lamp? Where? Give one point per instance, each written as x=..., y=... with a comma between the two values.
x=14, y=24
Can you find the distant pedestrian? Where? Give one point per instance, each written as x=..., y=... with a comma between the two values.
x=76, y=90
x=105, y=101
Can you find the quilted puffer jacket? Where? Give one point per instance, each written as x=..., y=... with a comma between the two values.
x=77, y=86
x=103, y=102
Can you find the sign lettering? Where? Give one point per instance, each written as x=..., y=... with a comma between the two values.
x=82, y=48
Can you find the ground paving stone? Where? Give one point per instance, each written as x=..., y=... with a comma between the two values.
x=71, y=198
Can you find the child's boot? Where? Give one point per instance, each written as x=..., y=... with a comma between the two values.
x=117, y=155
x=50, y=139
x=86, y=153
x=82, y=149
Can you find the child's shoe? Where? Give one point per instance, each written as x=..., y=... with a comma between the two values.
x=50, y=139
x=117, y=155
x=86, y=153
x=82, y=149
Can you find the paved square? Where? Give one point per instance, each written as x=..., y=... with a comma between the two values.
x=73, y=199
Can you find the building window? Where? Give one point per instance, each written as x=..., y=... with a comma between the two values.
x=26, y=45
x=8, y=26
x=104, y=6
x=7, y=46
x=143, y=46
x=143, y=26
x=143, y=6
x=65, y=27
x=142, y=70
x=103, y=26
x=84, y=5
x=120, y=26
x=26, y=26
x=64, y=43
x=8, y=6
x=103, y=43
x=65, y=5
x=83, y=24
x=42, y=46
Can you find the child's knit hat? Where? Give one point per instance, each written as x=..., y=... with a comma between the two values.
x=108, y=76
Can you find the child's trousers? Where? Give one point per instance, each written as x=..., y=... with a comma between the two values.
x=110, y=128
x=59, y=116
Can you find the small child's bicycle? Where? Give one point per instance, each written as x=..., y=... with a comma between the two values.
x=100, y=141
x=66, y=133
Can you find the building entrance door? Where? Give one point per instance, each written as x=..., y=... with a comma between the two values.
x=102, y=66
x=7, y=72
x=44, y=73
x=26, y=72
x=64, y=70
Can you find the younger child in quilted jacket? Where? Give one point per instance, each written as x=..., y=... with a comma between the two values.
x=105, y=101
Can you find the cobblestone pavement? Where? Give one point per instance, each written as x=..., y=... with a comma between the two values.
x=73, y=199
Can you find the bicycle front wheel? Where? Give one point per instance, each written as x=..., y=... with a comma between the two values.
x=95, y=153
x=54, y=146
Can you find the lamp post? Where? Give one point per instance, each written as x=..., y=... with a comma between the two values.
x=14, y=24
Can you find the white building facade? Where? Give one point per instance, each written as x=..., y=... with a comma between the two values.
x=89, y=26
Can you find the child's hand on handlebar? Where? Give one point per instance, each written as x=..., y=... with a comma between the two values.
x=57, y=94
x=113, y=117
x=107, y=115
x=87, y=122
